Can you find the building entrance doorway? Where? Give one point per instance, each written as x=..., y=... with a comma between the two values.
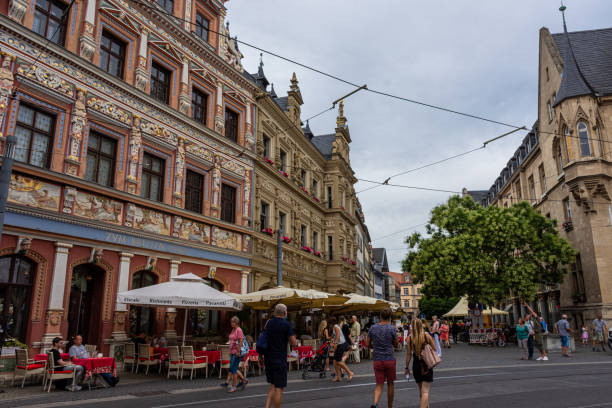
x=85, y=306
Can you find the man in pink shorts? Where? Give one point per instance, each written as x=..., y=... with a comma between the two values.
x=382, y=338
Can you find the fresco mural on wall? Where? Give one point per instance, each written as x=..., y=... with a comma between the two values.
x=34, y=193
x=226, y=239
x=147, y=220
x=98, y=208
x=191, y=230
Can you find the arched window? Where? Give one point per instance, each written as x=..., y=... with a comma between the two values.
x=142, y=318
x=583, y=135
x=205, y=322
x=16, y=281
x=558, y=156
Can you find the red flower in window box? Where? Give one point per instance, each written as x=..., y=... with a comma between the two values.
x=268, y=231
x=316, y=199
x=317, y=253
x=286, y=239
x=284, y=173
x=345, y=259
x=343, y=209
x=307, y=249
x=353, y=262
x=304, y=189
x=270, y=162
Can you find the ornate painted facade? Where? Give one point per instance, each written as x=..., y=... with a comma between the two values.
x=134, y=162
x=304, y=187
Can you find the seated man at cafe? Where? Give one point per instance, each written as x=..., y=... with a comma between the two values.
x=62, y=365
x=78, y=350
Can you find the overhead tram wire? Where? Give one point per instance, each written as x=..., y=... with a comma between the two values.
x=400, y=231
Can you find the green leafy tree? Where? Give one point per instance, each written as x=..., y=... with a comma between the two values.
x=435, y=306
x=486, y=252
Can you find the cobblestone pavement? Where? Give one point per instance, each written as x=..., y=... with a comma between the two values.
x=467, y=373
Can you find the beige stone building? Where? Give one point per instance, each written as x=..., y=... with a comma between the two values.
x=304, y=187
x=563, y=167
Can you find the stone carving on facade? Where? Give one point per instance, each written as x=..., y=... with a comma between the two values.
x=246, y=199
x=147, y=220
x=6, y=85
x=109, y=109
x=246, y=243
x=17, y=10
x=159, y=132
x=53, y=318
x=34, y=193
x=96, y=255
x=134, y=155
x=119, y=319
x=233, y=166
x=200, y=152
x=69, y=197
x=191, y=230
x=216, y=188
x=142, y=70
x=179, y=172
x=226, y=239
x=78, y=122
x=23, y=245
x=586, y=192
x=229, y=48
x=98, y=208
x=87, y=46
x=48, y=79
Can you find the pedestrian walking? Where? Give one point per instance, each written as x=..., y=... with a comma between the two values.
x=279, y=333
x=599, y=328
x=530, y=339
x=455, y=329
x=341, y=349
x=522, y=334
x=236, y=338
x=585, y=336
x=355, y=335
x=565, y=331
x=435, y=330
x=444, y=330
x=324, y=337
x=423, y=375
x=382, y=339
x=540, y=331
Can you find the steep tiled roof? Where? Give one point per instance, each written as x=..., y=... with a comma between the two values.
x=324, y=143
x=397, y=277
x=282, y=102
x=480, y=196
x=587, y=62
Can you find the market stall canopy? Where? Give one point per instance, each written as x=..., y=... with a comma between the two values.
x=184, y=291
x=267, y=298
x=461, y=310
x=357, y=303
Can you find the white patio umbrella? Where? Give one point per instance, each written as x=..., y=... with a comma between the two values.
x=186, y=291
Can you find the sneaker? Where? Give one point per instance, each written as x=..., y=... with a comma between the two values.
x=244, y=384
x=539, y=358
x=545, y=358
x=223, y=384
x=75, y=388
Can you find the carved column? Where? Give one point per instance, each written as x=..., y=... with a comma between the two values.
x=142, y=69
x=184, y=99
x=219, y=114
x=216, y=189
x=179, y=173
x=18, y=9
x=78, y=124
x=249, y=141
x=244, y=282
x=6, y=86
x=170, y=330
x=121, y=314
x=246, y=199
x=87, y=40
x=55, y=309
x=134, y=156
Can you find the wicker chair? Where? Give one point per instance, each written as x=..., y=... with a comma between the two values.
x=147, y=358
x=225, y=359
x=91, y=349
x=130, y=356
x=175, y=362
x=26, y=367
x=312, y=343
x=191, y=362
x=53, y=374
x=291, y=359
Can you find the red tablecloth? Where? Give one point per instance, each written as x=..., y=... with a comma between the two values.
x=96, y=365
x=252, y=355
x=304, y=351
x=213, y=355
x=162, y=351
x=43, y=357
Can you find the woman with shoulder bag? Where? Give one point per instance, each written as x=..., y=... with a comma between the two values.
x=423, y=375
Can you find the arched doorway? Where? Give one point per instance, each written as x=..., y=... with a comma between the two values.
x=204, y=322
x=16, y=281
x=85, y=306
x=142, y=318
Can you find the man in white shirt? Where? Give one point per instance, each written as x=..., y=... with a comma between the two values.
x=355, y=333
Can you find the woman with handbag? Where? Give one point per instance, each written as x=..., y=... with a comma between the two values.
x=422, y=348
x=236, y=338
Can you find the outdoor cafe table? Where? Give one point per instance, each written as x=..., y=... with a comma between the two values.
x=304, y=352
x=213, y=355
x=96, y=365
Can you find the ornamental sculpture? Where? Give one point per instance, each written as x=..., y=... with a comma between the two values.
x=77, y=127
x=6, y=85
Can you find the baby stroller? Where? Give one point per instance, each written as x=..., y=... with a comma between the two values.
x=316, y=364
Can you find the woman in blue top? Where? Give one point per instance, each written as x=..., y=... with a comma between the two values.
x=522, y=334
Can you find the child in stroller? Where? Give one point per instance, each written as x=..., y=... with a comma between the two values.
x=316, y=364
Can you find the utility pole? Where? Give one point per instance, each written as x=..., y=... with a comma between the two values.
x=5, y=176
x=279, y=258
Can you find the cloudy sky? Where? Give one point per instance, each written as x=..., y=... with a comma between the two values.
x=477, y=56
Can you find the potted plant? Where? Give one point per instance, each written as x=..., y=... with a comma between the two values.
x=568, y=225
x=306, y=249
x=317, y=253
x=10, y=344
x=316, y=199
x=270, y=162
x=284, y=173
x=268, y=231
x=286, y=239
x=304, y=189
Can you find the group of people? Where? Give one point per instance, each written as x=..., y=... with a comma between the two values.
x=599, y=330
x=343, y=340
x=76, y=350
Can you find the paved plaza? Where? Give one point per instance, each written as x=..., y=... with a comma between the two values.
x=470, y=376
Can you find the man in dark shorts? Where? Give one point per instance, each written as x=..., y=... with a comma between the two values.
x=382, y=339
x=279, y=332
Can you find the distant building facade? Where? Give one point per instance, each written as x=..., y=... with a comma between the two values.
x=381, y=279
x=563, y=168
